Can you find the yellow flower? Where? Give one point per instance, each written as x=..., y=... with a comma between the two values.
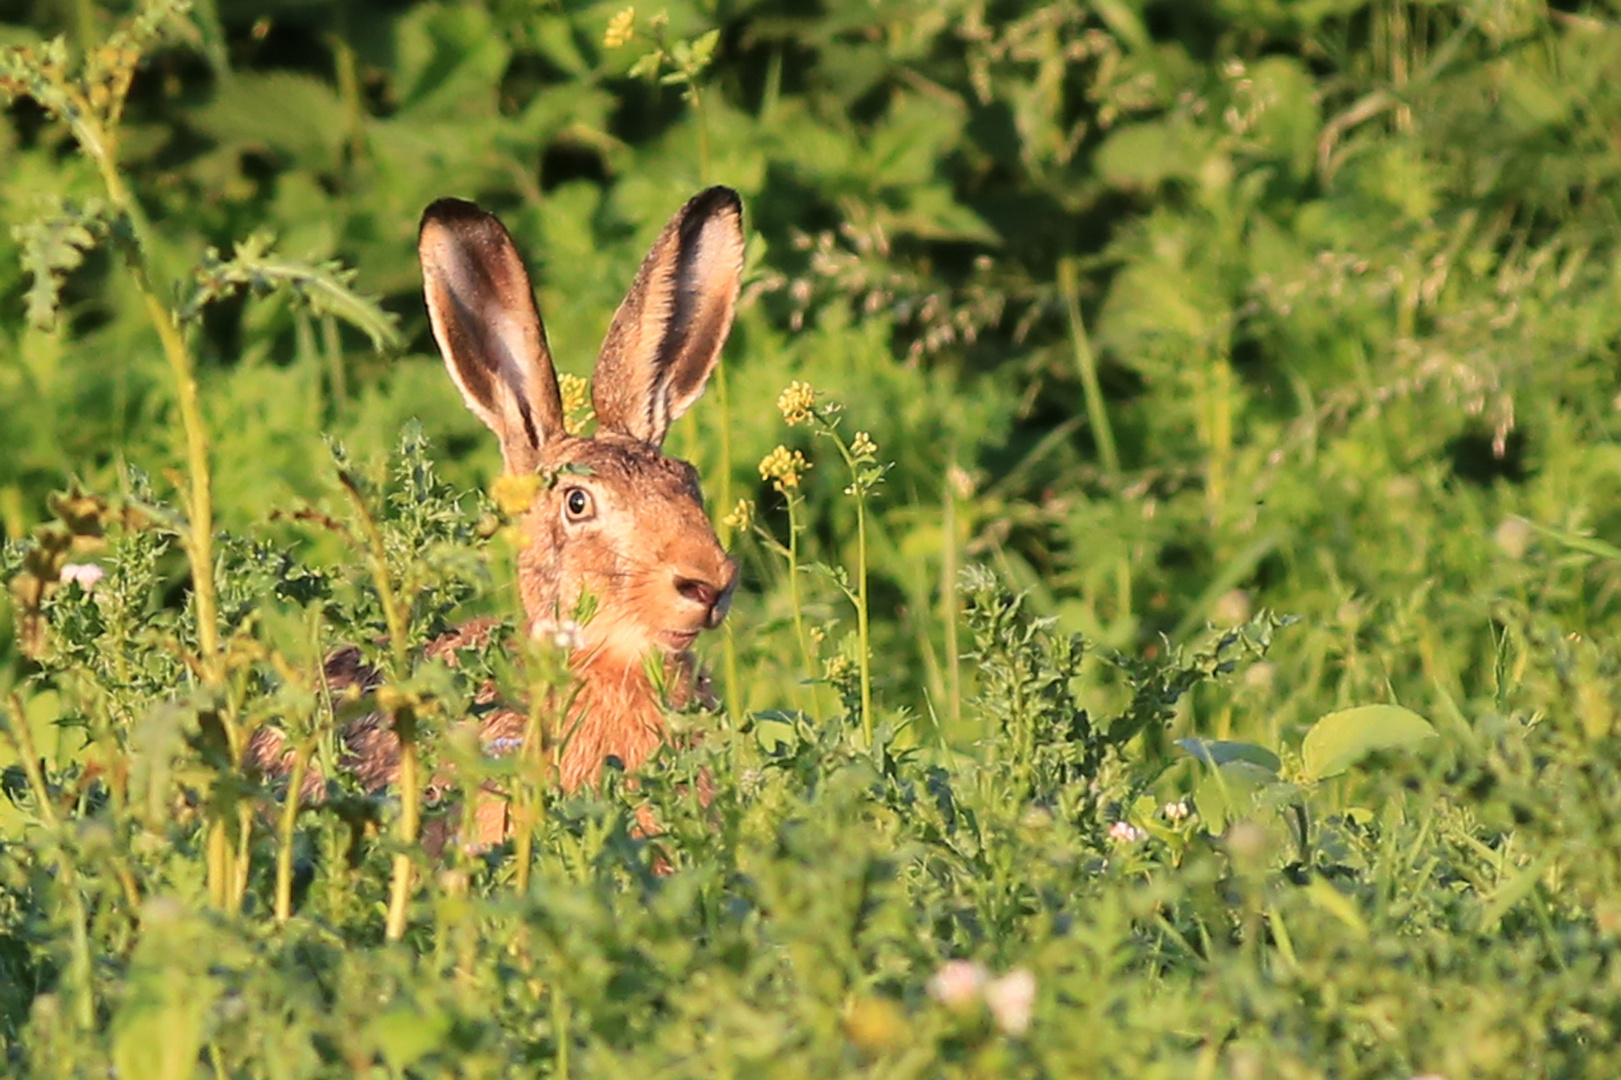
x=796, y=402
x=621, y=28
x=577, y=411
x=515, y=494
x=783, y=466
x=741, y=517
x=862, y=446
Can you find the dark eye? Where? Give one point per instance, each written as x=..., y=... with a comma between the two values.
x=577, y=504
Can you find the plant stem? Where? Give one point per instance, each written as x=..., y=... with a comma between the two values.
x=1086, y=366
x=949, y=602
x=403, y=714
x=796, y=602
x=734, y=686
x=21, y=737
x=861, y=617
x=399, y=889
x=289, y=821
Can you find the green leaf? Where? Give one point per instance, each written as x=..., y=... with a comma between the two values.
x=1142, y=156
x=405, y=1034
x=1218, y=752
x=157, y=1031
x=304, y=123
x=1227, y=793
x=1341, y=739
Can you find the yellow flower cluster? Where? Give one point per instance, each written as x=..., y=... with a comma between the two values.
x=862, y=446
x=621, y=28
x=796, y=402
x=783, y=466
x=741, y=517
x=577, y=410
x=515, y=494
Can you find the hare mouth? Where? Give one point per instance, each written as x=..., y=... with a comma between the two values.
x=678, y=640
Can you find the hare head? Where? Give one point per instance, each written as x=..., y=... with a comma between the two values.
x=615, y=520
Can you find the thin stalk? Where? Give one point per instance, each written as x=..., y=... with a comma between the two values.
x=289, y=822
x=863, y=637
x=403, y=714
x=225, y=879
x=21, y=737
x=734, y=686
x=1086, y=366
x=399, y=889
x=532, y=751
x=796, y=602
x=949, y=602
x=703, y=131
x=560, y=1025
x=337, y=377
x=862, y=634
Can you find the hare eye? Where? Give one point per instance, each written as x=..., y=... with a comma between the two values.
x=577, y=504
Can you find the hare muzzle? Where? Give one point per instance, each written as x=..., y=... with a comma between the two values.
x=709, y=592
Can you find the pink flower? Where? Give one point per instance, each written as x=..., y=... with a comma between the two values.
x=86, y=574
x=1124, y=832
x=958, y=983
x=1010, y=1000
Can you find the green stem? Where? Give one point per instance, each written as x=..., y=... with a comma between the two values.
x=21, y=737
x=403, y=715
x=861, y=618
x=399, y=890
x=560, y=1025
x=1086, y=365
x=289, y=821
x=703, y=132
x=734, y=685
x=796, y=602
x=949, y=601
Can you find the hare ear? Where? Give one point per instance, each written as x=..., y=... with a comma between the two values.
x=484, y=318
x=667, y=334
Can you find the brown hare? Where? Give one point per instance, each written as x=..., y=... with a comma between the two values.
x=623, y=523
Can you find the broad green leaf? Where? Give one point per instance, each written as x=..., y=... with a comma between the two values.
x=1145, y=155
x=292, y=114
x=405, y=1034
x=1227, y=793
x=1218, y=752
x=1341, y=739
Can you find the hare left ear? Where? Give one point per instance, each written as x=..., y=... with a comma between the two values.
x=666, y=337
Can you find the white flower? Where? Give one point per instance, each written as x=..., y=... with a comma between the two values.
x=1175, y=811
x=958, y=983
x=86, y=574
x=564, y=634
x=1124, y=832
x=1010, y=1000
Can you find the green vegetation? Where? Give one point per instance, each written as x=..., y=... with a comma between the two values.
x=1120, y=327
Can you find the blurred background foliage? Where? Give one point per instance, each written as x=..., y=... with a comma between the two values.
x=1169, y=312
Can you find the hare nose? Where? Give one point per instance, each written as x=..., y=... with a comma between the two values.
x=715, y=597
x=697, y=590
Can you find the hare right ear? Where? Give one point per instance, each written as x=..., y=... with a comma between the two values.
x=484, y=318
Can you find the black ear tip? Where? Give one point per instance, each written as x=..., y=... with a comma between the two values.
x=715, y=200
x=451, y=212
